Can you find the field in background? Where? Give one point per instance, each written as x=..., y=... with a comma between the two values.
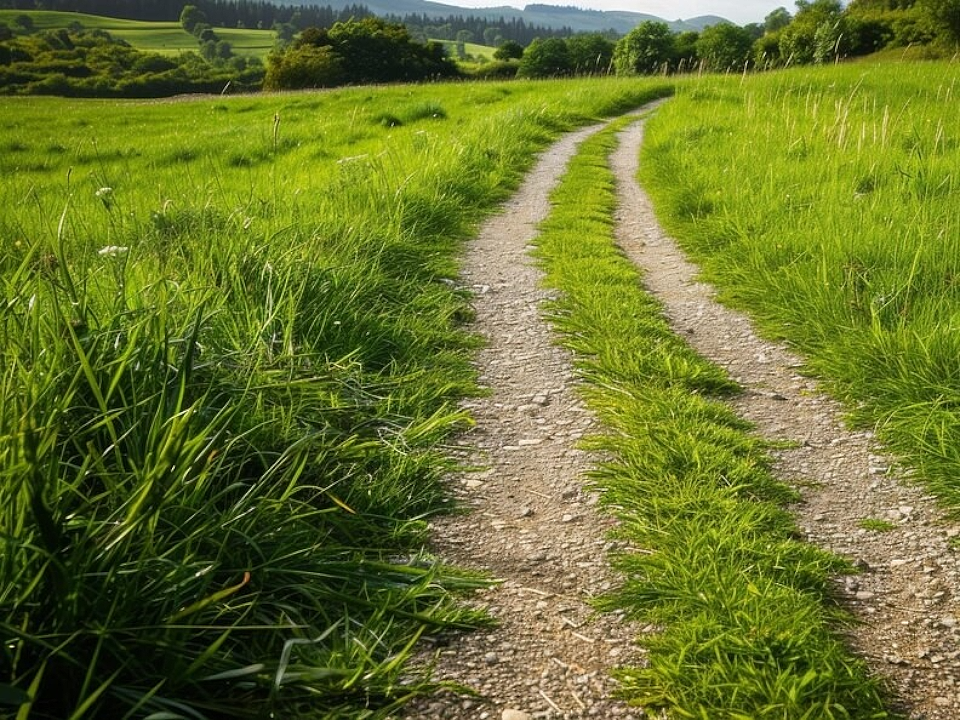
x=826, y=202
x=231, y=353
x=481, y=52
x=171, y=38
x=161, y=37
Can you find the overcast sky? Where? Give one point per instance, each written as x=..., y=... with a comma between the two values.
x=738, y=11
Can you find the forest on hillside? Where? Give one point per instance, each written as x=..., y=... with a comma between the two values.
x=266, y=15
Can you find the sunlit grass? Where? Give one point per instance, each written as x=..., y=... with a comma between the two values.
x=825, y=202
x=877, y=524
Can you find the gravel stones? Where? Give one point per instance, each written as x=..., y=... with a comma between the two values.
x=532, y=525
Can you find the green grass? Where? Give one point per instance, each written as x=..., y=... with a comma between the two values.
x=825, y=202
x=747, y=627
x=161, y=37
x=877, y=525
x=231, y=357
x=473, y=49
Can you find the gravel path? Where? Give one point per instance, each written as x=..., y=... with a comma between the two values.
x=532, y=525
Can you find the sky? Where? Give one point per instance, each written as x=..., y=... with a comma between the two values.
x=738, y=11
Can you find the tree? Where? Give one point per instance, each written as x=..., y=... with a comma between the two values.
x=190, y=17
x=724, y=47
x=508, y=50
x=24, y=22
x=284, y=32
x=766, y=51
x=545, y=58
x=647, y=49
x=887, y=23
x=943, y=17
x=777, y=20
x=204, y=33
x=685, y=49
x=490, y=35
x=815, y=34
x=370, y=50
x=306, y=66
x=590, y=53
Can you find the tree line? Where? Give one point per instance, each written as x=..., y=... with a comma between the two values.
x=476, y=30
x=820, y=31
x=220, y=13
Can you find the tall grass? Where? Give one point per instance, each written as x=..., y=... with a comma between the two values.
x=741, y=622
x=231, y=356
x=826, y=203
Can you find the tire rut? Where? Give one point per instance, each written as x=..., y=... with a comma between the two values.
x=531, y=524
x=906, y=599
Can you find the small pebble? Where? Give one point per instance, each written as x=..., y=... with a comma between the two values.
x=511, y=714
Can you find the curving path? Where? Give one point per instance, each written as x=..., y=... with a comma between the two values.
x=534, y=527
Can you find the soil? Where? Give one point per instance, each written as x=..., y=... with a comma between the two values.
x=534, y=527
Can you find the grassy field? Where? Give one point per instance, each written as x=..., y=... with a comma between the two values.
x=160, y=37
x=484, y=52
x=827, y=203
x=231, y=351
x=231, y=354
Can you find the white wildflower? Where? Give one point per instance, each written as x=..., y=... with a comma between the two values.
x=105, y=195
x=111, y=250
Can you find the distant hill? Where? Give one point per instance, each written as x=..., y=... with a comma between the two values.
x=544, y=15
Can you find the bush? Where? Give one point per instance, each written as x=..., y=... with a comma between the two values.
x=498, y=69
x=508, y=50
x=152, y=63
x=304, y=67
x=545, y=58
x=86, y=63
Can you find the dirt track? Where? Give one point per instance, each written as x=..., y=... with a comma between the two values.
x=533, y=526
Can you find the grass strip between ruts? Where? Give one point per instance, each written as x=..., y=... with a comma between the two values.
x=741, y=616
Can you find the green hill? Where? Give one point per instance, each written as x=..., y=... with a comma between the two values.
x=162, y=37
x=578, y=19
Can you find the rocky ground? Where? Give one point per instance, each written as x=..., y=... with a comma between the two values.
x=534, y=528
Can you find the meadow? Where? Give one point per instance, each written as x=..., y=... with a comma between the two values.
x=825, y=202
x=232, y=351
x=233, y=347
